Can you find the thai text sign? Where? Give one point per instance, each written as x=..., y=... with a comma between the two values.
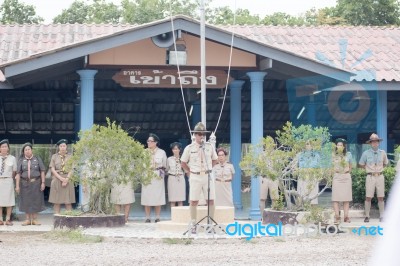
x=168, y=78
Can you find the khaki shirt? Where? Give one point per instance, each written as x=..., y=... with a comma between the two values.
x=8, y=165
x=198, y=160
x=58, y=163
x=37, y=166
x=341, y=163
x=224, y=172
x=174, y=166
x=374, y=161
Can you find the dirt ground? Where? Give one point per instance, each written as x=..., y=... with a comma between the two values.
x=20, y=248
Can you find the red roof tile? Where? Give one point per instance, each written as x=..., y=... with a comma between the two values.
x=381, y=44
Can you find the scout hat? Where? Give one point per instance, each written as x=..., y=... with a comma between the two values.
x=340, y=140
x=62, y=141
x=200, y=128
x=374, y=137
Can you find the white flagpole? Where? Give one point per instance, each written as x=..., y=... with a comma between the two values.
x=203, y=63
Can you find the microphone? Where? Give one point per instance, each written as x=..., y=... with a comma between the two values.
x=202, y=143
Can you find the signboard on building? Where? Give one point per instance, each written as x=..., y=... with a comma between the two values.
x=168, y=78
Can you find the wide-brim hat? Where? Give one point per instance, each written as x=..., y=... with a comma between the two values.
x=61, y=141
x=374, y=137
x=200, y=128
x=4, y=141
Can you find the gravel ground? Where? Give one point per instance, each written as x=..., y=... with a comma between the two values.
x=38, y=249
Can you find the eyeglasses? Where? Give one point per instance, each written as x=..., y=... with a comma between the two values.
x=200, y=134
x=150, y=141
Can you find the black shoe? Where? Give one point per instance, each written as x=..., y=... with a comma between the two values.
x=366, y=220
x=157, y=220
x=147, y=221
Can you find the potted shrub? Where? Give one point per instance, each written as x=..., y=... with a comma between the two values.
x=104, y=156
x=278, y=158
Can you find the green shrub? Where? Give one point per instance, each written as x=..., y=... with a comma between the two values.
x=359, y=175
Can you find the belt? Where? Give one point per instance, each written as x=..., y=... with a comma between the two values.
x=32, y=179
x=201, y=172
x=374, y=174
x=223, y=180
x=175, y=175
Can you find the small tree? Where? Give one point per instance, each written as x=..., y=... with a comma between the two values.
x=278, y=159
x=104, y=156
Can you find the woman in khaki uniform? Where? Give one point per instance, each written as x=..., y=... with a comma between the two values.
x=341, y=185
x=8, y=167
x=176, y=179
x=61, y=189
x=30, y=183
x=153, y=195
x=223, y=174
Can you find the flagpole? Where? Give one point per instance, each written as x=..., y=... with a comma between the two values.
x=203, y=63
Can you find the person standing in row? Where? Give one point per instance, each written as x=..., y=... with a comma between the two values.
x=373, y=161
x=30, y=183
x=176, y=178
x=8, y=168
x=341, y=184
x=197, y=160
x=223, y=174
x=154, y=193
x=62, y=191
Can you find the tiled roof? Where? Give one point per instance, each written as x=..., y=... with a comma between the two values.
x=372, y=51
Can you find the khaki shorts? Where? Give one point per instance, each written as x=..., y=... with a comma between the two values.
x=198, y=187
x=267, y=185
x=373, y=182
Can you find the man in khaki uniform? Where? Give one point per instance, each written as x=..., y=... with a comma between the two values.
x=197, y=161
x=267, y=185
x=373, y=161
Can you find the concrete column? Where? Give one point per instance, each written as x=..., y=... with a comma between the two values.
x=257, y=132
x=236, y=140
x=87, y=107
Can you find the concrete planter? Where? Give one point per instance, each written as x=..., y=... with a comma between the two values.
x=285, y=217
x=288, y=217
x=87, y=221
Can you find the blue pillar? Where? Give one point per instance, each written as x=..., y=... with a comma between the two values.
x=87, y=105
x=381, y=118
x=311, y=113
x=236, y=140
x=257, y=132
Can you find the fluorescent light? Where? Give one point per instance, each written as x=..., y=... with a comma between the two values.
x=191, y=110
x=301, y=112
x=316, y=92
